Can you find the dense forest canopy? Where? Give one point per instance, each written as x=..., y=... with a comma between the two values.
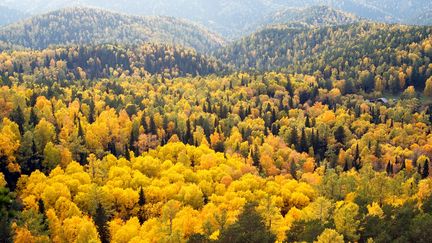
x=232, y=18
x=96, y=26
x=314, y=128
x=315, y=16
x=367, y=56
x=89, y=154
x=103, y=61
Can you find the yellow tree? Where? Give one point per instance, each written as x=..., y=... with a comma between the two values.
x=346, y=219
x=428, y=87
x=330, y=236
x=9, y=143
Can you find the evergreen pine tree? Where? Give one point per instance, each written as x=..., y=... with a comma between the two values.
x=250, y=227
x=41, y=206
x=34, y=120
x=425, y=172
x=303, y=142
x=153, y=128
x=17, y=116
x=142, y=199
x=294, y=137
x=307, y=122
x=256, y=158
x=293, y=169
x=340, y=135
x=346, y=167
x=101, y=221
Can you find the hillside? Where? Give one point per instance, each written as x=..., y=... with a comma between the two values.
x=316, y=128
x=339, y=53
x=105, y=61
x=316, y=16
x=95, y=26
x=229, y=18
x=211, y=158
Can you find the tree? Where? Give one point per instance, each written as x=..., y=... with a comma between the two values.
x=294, y=137
x=17, y=116
x=169, y=211
x=307, y=122
x=330, y=236
x=153, y=127
x=428, y=87
x=340, y=135
x=44, y=223
x=256, y=158
x=250, y=227
x=141, y=203
x=188, y=136
x=305, y=231
x=7, y=212
x=293, y=169
x=425, y=173
x=52, y=157
x=101, y=221
x=142, y=200
x=44, y=132
x=421, y=228
x=303, y=142
x=346, y=220
x=427, y=205
x=34, y=120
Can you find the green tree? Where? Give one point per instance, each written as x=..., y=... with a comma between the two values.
x=346, y=220
x=304, y=230
x=340, y=135
x=250, y=227
x=101, y=221
x=7, y=213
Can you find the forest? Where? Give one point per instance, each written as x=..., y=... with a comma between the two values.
x=317, y=127
x=128, y=159
x=81, y=26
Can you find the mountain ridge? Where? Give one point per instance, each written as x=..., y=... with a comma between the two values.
x=229, y=17
x=84, y=25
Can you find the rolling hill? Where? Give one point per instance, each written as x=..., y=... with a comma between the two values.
x=96, y=26
x=315, y=16
x=229, y=18
x=338, y=52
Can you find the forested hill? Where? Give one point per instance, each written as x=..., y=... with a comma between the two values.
x=316, y=16
x=95, y=26
x=230, y=17
x=104, y=61
x=365, y=55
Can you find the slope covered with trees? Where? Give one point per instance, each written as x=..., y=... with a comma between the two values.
x=365, y=56
x=298, y=133
x=133, y=159
x=230, y=18
x=316, y=16
x=95, y=26
x=104, y=61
